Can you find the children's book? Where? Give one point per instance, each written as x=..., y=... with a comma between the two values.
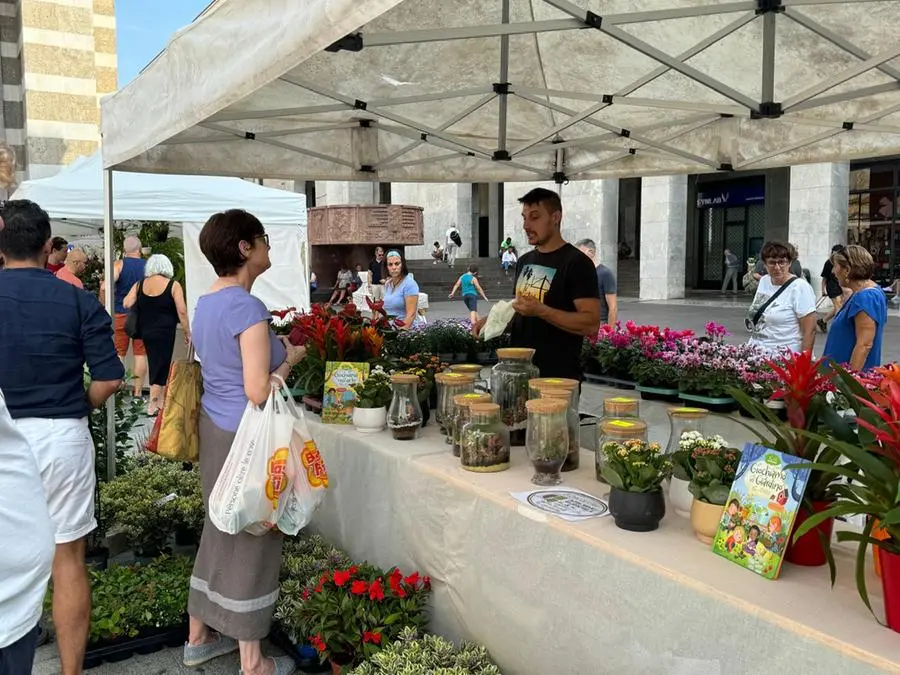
x=760, y=511
x=340, y=399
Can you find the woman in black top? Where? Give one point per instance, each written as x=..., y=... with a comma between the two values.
x=159, y=302
x=832, y=289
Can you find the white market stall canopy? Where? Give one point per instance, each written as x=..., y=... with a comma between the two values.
x=510, y=90
x=76, y=192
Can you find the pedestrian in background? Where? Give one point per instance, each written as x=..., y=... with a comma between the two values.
x=732, y=264
x=606, y=283
x=470, y=291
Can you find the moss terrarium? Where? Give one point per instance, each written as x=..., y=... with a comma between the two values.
x=485, y=440
x=509, y=388
x=547, y=439
x=461, y=416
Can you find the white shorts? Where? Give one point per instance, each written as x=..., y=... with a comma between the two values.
x=64, y=451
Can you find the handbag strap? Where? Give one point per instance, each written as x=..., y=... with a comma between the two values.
x=774, y=297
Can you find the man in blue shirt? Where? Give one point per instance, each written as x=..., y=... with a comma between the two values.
x=49, y=330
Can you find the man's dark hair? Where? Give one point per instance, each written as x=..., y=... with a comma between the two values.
x=548, y=198
x=26, y=231
x=58, y=244
x=221, y=236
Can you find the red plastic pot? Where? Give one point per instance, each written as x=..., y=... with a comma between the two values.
x=808, y=550
x=890, y=582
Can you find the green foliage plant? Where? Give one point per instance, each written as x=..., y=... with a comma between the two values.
x=635, y=465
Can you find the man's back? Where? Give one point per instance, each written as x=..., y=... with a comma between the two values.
x=606, y=284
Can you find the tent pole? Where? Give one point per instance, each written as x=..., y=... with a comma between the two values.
x=108, y=252
x=504, y=79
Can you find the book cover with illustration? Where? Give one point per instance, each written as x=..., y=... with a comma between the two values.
x=339, y=398
x=760, y=511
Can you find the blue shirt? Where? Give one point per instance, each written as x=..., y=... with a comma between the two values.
x=467, y=281
x=842, y=332
x=48, y=330
x=132, y=272
x=395, y=297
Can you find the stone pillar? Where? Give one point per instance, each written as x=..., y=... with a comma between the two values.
x=335, y=193
x=591, y=211
x=495, y=219
x=818, y=213
x=663, y=236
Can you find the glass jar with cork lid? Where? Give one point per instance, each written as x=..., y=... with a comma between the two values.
x=681, y=420
x=461, y=416
x=485, y=440
x=547, y=439
x=405, y=413
x=616, y=430
x=449, y=385
x=567, y=390
x=618, y=407
x=509, y=389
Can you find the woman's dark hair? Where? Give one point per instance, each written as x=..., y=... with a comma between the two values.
x=774, y=250
x=26, y=230
x=473, y=268
x=221, y=236
x=437, y=243
x=404, y=270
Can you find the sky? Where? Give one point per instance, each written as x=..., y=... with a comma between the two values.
x=144, y=28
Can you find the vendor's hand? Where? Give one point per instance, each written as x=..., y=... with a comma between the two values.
x=294, y=354
x=478, y=325
x=527, y=306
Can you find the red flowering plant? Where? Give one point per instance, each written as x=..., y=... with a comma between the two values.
x=354, y=612
x=332, y=334
x=617, y=349
x=283, y=320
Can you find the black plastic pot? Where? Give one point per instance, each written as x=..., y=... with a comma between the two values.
x=637, y=511
x=149, y=640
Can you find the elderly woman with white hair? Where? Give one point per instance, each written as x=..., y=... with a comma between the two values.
x=159, y=303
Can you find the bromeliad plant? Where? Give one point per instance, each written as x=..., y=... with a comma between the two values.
x=714, y=469
x=354, y=612
x=375, y=391
x=635, y=466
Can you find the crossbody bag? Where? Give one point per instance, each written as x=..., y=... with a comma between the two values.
x=751, y=323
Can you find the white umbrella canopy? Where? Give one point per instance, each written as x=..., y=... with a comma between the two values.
x=512, y=90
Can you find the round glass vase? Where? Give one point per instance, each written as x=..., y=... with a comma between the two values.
x=616, y=430
x=509, y=389
x=573, y=458
x=547, y=439
x=448, y=386
x=405, y=414
x=460, y=416
x=681, y=420
x=485, y=441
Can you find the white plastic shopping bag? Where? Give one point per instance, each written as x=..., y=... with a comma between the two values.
x=248, y=494
x=308, y=477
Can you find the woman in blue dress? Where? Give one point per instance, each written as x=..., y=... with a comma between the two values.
x=857, y=329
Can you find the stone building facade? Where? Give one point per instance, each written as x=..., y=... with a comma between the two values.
x=57, y=59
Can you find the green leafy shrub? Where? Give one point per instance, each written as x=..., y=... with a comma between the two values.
x=411, y=654
x=128, y=412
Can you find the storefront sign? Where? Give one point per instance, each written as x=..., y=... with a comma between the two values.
x=731, y=195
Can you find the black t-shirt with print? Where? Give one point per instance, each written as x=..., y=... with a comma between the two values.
x=557, y=279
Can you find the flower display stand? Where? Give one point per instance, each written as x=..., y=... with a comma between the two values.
x=658, y=393
x=609, y=381
x=721, y=404
x=147, y=641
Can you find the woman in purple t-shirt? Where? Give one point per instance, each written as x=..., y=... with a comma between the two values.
x=234, y=584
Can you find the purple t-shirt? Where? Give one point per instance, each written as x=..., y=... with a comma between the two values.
x=219, y=320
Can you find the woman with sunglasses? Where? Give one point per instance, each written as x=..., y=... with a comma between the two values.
x=783, y=312
x=401, y=292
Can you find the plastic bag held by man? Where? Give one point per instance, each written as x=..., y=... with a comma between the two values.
x=500, y=316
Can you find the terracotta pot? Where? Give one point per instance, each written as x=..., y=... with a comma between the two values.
x=890, y=583
x=808, y=550
x=705, y=519
x=637, y=511
x=680, y=497
x=335, y=668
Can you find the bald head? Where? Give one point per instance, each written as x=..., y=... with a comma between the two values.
x=132, y=247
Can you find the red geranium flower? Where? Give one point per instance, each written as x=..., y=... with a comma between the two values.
x=341, y=578
x=412, y=579
x=317, y=642
x=376, y=590
x=359, y=587
x=374, y=638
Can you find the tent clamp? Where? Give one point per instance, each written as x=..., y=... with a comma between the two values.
x=501, y=156
x=501, y=88
x=768, y=110
x=349, y=43
x=725, y=116
x=365, y=124
x=607, y=99
x=768, y=6
x=360, y=105
x=847, y=126
x=560, y=178
x=367, y=168
x=726, y=167
x=632, y=151
x=249, y=135
x=592, y=20
x=625, y=133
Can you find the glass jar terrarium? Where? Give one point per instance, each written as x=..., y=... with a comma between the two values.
x=681, y=420
x=405, y=413
x=616, y=407
x=485, y=441
x=461, y=403
x=472, y=369
x=509, y=389
x=448, y=386
x=547, y=439
x=616, y=430
x=570, y=396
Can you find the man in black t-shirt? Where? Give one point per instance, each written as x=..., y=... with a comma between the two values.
x=557, y=300
x=832, y=289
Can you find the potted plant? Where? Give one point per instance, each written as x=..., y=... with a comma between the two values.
x=872, y=488
x=714, y=470
x=412, y=652
x=683, y=468
x=372, y=398
x=804, y=383
x=635, y=470
x=354, y=612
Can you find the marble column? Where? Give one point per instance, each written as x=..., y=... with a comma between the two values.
x=334, y=192
x=817, y=217
x=663, y=237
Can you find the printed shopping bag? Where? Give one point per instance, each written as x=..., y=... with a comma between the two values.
x=178, y=437
x=152, y=442
x=247, y=496
x=307, y=473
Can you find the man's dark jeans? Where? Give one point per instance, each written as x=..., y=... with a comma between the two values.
x=18, y=658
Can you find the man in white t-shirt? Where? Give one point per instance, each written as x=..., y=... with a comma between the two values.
x=26, y=556
x=789, y=321
x=452, y=244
